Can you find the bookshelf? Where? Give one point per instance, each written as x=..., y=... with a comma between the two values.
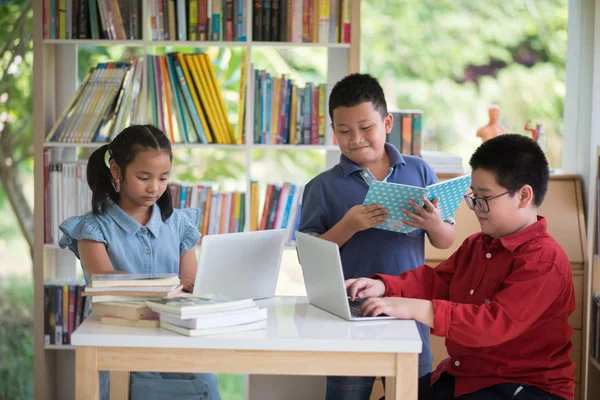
x=592, y=282
x=55, y=82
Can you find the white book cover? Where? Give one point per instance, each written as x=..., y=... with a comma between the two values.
x=218, y=319
x=214, y=331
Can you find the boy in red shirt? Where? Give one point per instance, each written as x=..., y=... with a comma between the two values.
x=503, y=299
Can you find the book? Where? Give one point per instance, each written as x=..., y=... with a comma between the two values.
x=128, y=289
x=132, y=310
x=184, y=306
x=140, y=323
x=395, y=197
x=136, y=292
x=112, y=280
x=217, y=319
x=215, y=331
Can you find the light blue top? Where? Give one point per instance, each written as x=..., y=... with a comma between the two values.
x=155, y=248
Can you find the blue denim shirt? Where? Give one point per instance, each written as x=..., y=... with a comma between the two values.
x=153, y=248
x=329, y=196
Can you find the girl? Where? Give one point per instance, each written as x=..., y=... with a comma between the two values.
x=133, y=228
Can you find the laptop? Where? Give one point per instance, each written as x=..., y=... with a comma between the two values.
x=324, y=278
x=240, y=265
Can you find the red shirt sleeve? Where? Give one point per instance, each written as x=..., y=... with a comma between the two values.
x=424, y=282
x=527, y=293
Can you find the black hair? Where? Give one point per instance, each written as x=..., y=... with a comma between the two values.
x=356, y=89
x=123, y=150
x=515, y=160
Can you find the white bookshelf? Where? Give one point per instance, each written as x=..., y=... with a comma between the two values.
x=55, y=81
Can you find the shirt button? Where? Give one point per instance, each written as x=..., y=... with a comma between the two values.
x=471, y=292
x=457, y=363
x=147, y=251
x=488, y=255
x=487, y=301
x=144, y=229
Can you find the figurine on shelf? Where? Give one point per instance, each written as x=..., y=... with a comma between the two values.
x=535, y=133
x=494, y=127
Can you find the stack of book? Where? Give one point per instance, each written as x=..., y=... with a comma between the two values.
x=209, y=315
x=443, y=163
x=132, y=287
x=126, y=313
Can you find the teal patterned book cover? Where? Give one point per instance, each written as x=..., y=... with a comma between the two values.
x=395, y=197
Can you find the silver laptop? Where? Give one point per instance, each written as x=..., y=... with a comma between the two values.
x=240, y=265
x=324, y=278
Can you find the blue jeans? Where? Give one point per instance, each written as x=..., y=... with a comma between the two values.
x=443, y=389
x=166, y=386
x=357, y=387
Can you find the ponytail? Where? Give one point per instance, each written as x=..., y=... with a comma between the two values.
x=100, y=180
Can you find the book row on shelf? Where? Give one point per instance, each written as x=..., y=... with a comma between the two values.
x=182, y=96
x=67, y=194
x=595, y=328
x=285, y=113
x=296, y=21
x=65, y=310
x=406, y=131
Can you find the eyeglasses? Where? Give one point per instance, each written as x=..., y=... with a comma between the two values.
x=482, y=202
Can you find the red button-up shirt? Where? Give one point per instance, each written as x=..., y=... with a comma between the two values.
x=503, y=306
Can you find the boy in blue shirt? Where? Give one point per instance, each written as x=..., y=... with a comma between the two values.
x=332, y=204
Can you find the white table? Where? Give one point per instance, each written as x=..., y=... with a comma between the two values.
x=300, y=340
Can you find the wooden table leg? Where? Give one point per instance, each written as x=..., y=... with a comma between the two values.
x=87, y=382
x=119, y=385
x=405, y=384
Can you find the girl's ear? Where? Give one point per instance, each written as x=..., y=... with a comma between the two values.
x=115, y=171
x=525, y=196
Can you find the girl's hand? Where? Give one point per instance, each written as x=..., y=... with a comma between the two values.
x=364, y=287
x=188, y=285
x=427, y=217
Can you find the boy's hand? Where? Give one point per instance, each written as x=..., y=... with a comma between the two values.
x=360, y=217
x=364, y=287
x=399, y=307
x=427, y=217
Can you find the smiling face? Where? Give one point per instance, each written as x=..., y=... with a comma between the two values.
x=361, y=133
x=146, y=178
x=507, y=213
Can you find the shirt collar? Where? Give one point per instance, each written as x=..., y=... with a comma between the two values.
x=395, y=159
x=512, y=242
x=130, y=225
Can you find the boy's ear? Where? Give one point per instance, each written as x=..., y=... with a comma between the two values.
x=388, y=122
x=525, y=196
x=115, y=171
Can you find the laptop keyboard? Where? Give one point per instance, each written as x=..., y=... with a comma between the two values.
x=355, y=307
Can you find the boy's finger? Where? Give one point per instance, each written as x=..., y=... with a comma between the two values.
x=349, y=282
x=430, y=206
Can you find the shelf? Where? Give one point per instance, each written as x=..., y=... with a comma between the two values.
x=97, y=42
x=187, y=43
x=291, y=44
x=595, y=363
x=59, y=347
x=205, y=146
x=295, y=147
x=175, y=145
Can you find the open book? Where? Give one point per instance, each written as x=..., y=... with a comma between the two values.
x=395, y=196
